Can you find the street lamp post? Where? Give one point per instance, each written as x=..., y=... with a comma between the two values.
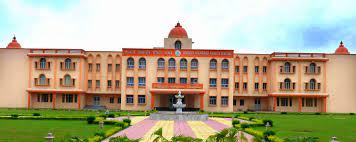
x=333, y=139
x=49, y=137
x=267, y=125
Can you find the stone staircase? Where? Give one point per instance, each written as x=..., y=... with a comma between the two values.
x=95, y=107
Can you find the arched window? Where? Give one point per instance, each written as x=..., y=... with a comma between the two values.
x=130, y=63
x=287, y=67
x=312, y=68
x=161, y=63
x=183, y=64
x=194, y=64
x=178, y=45
x=67, y=80
x=312, y=84
x=68, y=63
x=287, y=83
x=142, y=63
x=213, y=63
x=42, y=79
x=225, y=64
x=171, y=63
x=43, y=63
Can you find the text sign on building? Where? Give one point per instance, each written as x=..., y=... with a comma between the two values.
x=179, y=53
x=176, y=86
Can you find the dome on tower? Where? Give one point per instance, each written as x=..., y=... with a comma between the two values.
x=178, y=32
x=342, y=49
x=13, y=43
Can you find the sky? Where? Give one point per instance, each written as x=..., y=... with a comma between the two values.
x=253, y=26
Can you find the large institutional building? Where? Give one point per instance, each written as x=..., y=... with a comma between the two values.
x=145, y=79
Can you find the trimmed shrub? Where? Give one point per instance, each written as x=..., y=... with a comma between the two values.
x=251, y=118
x=245, y=125
x=103, y=116
x=100, y=133
x=111, y=115
x=268, y=133
x=126, y=120
x=234, y=122
x=245, y=112
x=283, y=112
x=352, y=113
x=90, y=119
x=253, y=132
x=14, y=116
x=317, y=113
x=267, y=120
x=236, y=115
x=36, y=114
x=275, y=139
x=120, y=124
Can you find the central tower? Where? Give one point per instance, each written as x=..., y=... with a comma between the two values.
x=178, y=39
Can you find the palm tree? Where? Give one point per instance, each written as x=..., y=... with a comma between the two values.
x=185, y=139
x=159, y=136
x=225, y=135
x=123, y=139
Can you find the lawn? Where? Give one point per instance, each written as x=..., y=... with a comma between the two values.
x=36, y=130
x=322, y=126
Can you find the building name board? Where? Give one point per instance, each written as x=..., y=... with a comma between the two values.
x=178, y=53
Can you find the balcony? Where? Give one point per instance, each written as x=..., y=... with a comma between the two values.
x=315, y=87
x=176, y=86
x=310, y=71
x=284, y=87
x=283, y=70
x=67, y=84
x=280, y=56
x=70, y=67
x=43, y=66
x=42, y=83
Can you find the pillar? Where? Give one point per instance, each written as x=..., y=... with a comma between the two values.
x=152, y=101
x=274, y=103
x=79, y=100
x=54, y=95
x=324, y=104
x=29, y=101
x=299, y=104
x=201, y=101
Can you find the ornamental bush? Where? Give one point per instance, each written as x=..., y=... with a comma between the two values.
x=245, y=125
x=120, y=124
x=14, y=116
x=317, y=113
x=283, y=112
x=265, y=121
x=251, y=118
x=90, y=119
x=100, y=133
x=268, y=133
x=36, y=114
x=245, y=112
x=236, y=116
x=111, y=115
x=126, y=120
x=234, y=122
x=352, y=113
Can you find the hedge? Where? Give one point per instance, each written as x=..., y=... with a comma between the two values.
x=43, y=118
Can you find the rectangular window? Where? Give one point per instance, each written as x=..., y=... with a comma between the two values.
x=284, y=101
x=245, y=69
x=264, y=70
x=109, y=84
x=264, y=86
x=141, y=81
x=160, y=79
x=129, y=99
x=111, y=100
x=130, y=81
x=171, y=80
x=256, y=86
x=98, y=67
x=117, y=83
x=141, y=99
x=69, y=98
x=212, y=100
x=119, y=100
x=183, y=80
x=224, y=82
x=309, y=102
x=212, y=82
x=224, y=100
x=315, y=102
x=234, y=102
x=237, y=68
x=237, y=85
x=242, y=102
x=90, y=83
x=109, y=67
x=117, y=67
x=90, y=67
x=194, y=80
x=303, y=102
x=97, y=83
x=256, y=69
x=245, y=85
x=277, y=101
x=44, y=97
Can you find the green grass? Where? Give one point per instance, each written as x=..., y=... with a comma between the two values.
x=61, y=113
x=36, y=130
x=322, y=126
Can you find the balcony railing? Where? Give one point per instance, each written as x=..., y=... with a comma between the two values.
x=67, y=84
x=39, y=83
x=46, y=66
x=283, y=70
x=300, y=55
x=308, y=87
x=317, y=70
x=65, y=67
x=176, y=86
x=284, y=87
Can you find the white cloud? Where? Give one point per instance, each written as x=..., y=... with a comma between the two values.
x=246, y=26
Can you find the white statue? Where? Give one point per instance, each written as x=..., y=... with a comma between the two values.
x=179, y=105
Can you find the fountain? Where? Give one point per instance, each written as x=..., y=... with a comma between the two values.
x=179, y=114
x=179, y=105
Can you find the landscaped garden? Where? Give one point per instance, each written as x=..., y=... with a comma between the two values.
x=33, y=125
